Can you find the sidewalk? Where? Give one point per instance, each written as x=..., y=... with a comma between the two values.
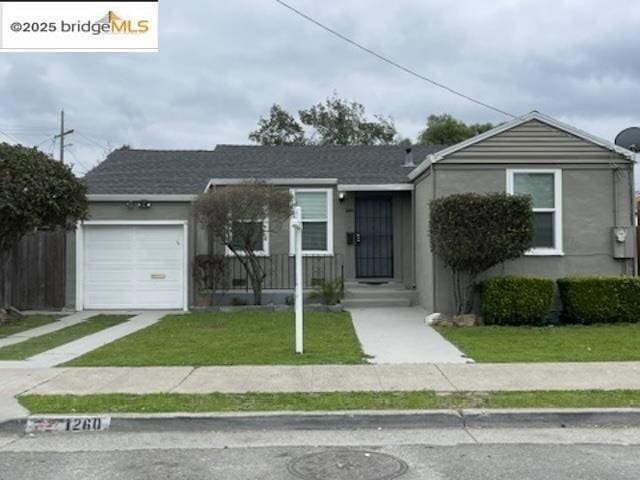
x=313, y=378
x=327, y=378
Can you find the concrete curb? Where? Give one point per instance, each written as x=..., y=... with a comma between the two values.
x=558, y=418
x=425, y=419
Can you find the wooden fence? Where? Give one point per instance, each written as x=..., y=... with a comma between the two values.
x=33, y=276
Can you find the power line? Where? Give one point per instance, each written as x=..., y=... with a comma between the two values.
x=46, y=139
x=10, y=137
x=99, y=144
x=51, y=146
x=392, y=62
x=78, y=162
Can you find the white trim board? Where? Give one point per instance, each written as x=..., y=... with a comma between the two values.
x=79, y=268
x=139, y=197
x=378, y=187
x=436, y=157
x=271, y=181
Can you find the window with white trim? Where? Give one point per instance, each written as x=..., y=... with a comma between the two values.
x=317, y=220
x=545, y=189
x=256, y=232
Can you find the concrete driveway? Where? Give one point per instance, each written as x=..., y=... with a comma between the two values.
x=76, y=348
x=400, y=335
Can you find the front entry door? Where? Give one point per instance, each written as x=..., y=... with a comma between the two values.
x=374, y=237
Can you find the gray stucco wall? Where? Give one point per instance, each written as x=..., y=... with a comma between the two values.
x=596, y=196
x=424, y=258
x=279, y=240
x=118, y=211
x=344, y=221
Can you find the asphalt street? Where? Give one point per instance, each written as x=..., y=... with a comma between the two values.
x=562, y=454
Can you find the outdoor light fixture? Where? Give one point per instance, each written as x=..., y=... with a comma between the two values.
x=144, y=204
x=341, y=196
x=129, y=205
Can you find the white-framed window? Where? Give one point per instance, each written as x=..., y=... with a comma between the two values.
x=317, y=220
x=545, y=188
x=259, y=232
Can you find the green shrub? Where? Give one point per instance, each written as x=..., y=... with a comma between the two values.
x=516, y=300
x=600, y=299
x=327, y=292
x=471, y=233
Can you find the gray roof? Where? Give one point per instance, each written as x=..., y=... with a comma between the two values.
x=188, y=172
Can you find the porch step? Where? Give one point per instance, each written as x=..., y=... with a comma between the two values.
x=375, y=292
x=372, y=295
x=375, y=302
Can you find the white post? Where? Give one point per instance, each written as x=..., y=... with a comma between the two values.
x=297, y=225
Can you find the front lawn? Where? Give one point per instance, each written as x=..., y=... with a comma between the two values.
x=239, y=338
x=221, y=402
x=35, y=345
x=569, y=343
x=11, y=327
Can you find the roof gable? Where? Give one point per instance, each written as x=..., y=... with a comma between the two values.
x=532, y=135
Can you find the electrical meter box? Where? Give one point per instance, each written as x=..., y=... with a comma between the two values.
x=623, y=240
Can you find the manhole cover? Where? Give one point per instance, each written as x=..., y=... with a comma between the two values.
x=347, y=465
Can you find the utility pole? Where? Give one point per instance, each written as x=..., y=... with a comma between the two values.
x=61, y=135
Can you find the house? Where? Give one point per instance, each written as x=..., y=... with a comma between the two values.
x=365, y=210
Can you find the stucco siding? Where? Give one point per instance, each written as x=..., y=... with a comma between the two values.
x=280, y=234
x=424, y=275
x=588, y=217
x=118, y=211
x=596, y=196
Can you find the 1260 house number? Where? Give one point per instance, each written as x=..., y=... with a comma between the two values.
x=83, y=424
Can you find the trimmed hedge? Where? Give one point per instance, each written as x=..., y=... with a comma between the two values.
x=516, y=300
x=599, y=299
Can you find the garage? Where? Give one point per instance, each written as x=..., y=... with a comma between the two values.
x=132, y=266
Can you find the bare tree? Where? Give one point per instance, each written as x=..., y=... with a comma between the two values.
x=239, y=217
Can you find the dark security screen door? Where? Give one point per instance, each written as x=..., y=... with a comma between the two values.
x=374, y=237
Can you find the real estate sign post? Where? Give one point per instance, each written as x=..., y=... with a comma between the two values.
x=297, y=225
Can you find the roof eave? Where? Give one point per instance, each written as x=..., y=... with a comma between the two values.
x=375, y=187
x=136, y=197
x=271, y=181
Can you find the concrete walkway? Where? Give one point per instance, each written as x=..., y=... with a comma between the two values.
x=399, y=335
x=83, y=345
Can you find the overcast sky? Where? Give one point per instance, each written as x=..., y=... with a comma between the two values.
x=223, y=63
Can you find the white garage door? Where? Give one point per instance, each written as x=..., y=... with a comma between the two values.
x=133, y=266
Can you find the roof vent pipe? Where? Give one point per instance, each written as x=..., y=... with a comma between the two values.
x=408, y=158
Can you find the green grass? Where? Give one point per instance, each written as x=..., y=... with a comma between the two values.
x=11, y=327
x=33, y=346
x=220, y=402
x=239, y=338
x=575, y=343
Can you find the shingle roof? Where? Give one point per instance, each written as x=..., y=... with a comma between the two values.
x=188, y=172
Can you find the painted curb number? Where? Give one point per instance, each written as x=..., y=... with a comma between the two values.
x=68, y=424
